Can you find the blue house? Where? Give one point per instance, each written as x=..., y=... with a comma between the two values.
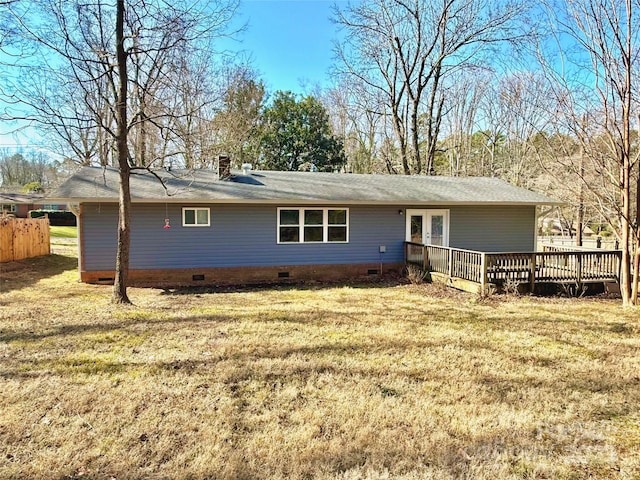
x=221, y=227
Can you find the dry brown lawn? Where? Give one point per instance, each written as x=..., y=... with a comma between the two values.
x=378, y=381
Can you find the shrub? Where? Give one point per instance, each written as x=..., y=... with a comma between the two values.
x=60, y=218
x=511, y=287
x=33, y=187
x=416, y=275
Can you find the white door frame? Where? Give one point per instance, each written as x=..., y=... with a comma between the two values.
x=427, y=216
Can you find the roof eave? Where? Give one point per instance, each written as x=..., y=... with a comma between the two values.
x=293, y=201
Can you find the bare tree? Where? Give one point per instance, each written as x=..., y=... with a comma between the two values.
x=459, y=153
x=406, y=49
x=118, y=57
x=515, y=109
x=187, y=138
x=18, y=169
x=359, y=121
x=594, y=71
x=235, y=124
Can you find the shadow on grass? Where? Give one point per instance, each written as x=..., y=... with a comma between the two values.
x=94, y=328
x=276, y=367
x=331, y=356
x=383, y=281
x=23, y=273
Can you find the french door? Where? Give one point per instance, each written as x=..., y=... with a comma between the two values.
x=430, y=227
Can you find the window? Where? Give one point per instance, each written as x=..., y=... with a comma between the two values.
x=195, y=217
x=50, y=206
x=8, y=207
x=313, y=225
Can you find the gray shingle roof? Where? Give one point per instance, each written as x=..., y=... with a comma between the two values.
x=204, y=186
x=20, y=197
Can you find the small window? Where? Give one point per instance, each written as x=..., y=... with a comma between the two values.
x=313, y=225
x=8, y=207
x=195, y=217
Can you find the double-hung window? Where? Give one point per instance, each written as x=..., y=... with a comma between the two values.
x=313, y=225
x=195, y=217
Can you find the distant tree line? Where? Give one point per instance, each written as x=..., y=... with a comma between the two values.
x=29, y=172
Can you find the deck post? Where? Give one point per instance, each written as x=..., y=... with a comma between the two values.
x=579, y=268
x=450, y=262
x=532, y=272
x=483, y=273
x=425, y=258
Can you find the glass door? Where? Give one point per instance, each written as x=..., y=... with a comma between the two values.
x=429, y=227
x=437, y=227
x=416, y=223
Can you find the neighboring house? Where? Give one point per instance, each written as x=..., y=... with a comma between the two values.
x=19, y=204
x=216, y=227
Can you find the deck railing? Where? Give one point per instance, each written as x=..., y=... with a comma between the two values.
x=587, y=242
x=554, y=265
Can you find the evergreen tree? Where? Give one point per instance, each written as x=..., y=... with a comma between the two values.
x=296, y=135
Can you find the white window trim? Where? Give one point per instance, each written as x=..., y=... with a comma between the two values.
x=425, y=213
x=445, y=226
x=8, y=207
x=301, y=225
x=196, y=209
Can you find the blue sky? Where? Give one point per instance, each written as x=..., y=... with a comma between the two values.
x=290, y=42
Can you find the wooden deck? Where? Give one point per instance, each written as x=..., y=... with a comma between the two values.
x=555, y=264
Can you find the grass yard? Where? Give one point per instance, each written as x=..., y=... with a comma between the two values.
x=64, y=240
x=63, y=232
x=342, y=382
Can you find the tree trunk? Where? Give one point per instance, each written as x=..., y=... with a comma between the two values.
x=124, y=238
x=124, y=198
x=400, y=136
x=415, y=140
x=580, y=205
x=434, y=111
x=625, y=267
x=636, y=273
x=636, y=243
x=627, y=280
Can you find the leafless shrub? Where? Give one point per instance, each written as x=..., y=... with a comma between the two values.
x=511, y=287
x=573, y=290
x=416, y=274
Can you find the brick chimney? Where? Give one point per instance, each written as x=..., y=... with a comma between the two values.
x=224, y=166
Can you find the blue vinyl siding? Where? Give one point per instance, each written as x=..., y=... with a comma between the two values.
x=98, y=224
x=239, y=235
x=493, y=228
x=246, y=235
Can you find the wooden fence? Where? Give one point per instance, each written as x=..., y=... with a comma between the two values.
x=22, y=238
